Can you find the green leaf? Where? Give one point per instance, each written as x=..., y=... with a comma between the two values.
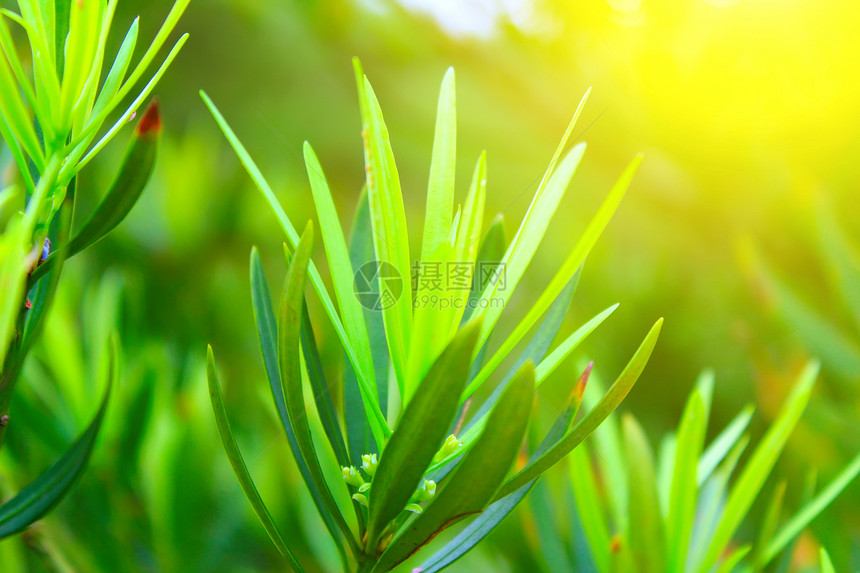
x=438, y=311
x=443, y=163
x=562, y=277
x=768, y=526
x=812, y=509
x=733, y=559
x=267, y=330
x=535, y=352
x=826, y=563
x=548, y=365
x=723, y=443
x=759, y=466
x=647, y=536
x=118, y=70
x=126, y=189
x=388, y=220
x=420, y=432
x=321, y=393
x=377, y=421
x=491, y=251
x=237, y=462
x=359, y=436
x=46, y=491
x=593, y=419
x=491, y=517
x=589, y=509
x=16, y=119
x=476, y=479
x=525, y=243
x=342, y=272
x=289, y=365
x=684, y=489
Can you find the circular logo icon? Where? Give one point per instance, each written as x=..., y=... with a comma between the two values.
x=377, y=285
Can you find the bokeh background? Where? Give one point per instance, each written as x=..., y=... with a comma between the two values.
x=747, y=113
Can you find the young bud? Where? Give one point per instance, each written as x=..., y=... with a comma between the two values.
x=414, y=508
x=369, y=463
x=360, y=498
x=352, y=476
x=451, y=445
x=426, y=491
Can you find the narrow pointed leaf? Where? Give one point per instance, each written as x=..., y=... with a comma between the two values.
x=812, y=509
x=289, y=365
x=443, y=163
x=647, y=536
x=388, y=219
x=563, y=275
x=42, y=494
x=491, y=517
x=616, y=393
x=684, y=489
x=723, y=443
x=758, y=468
x=126, y=189
x=237, y=462
x=420, y=432
x=476, y=479
x=267, y=330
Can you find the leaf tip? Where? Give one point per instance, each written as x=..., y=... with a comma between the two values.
x=150, y=123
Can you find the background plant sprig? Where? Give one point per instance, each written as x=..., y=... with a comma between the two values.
x=50, y=116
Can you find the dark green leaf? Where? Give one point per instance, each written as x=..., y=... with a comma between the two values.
x=238, y=463
x=420, y=432
x=593, y=419
x=476, y=479
x=41, y=495
x=267, y=330
x=289, y=362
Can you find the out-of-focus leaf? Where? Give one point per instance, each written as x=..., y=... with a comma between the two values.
x=768, y=526
x=812, y=509
x=237, y=462
x=477, y=477
x=684, y=490
x=723, y=444
x=759, y=466
x=647, y=536
x=43, y=493
x=590, y=512
x=733, y=559
x=593, y=419
x=826, y=563
x=420, y=432
x=289, y=366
